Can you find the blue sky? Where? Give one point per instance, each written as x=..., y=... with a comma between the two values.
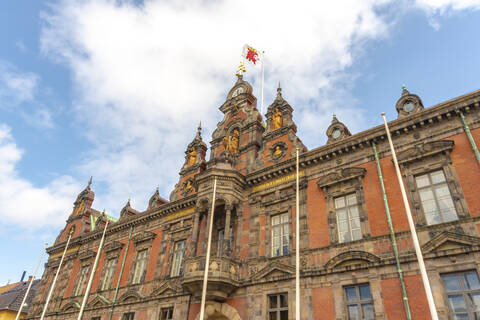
x=115, y=89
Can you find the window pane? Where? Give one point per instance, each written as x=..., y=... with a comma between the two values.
x=344, y=237
x=352, y=199
x=426, y=194
x=457, y=303
x=273, y=302
x=275, y=220
x=343, y=226
x=365, y=292
x=353, y=212
x=437, y=176
x=340, y=202
x=471, y=280
x=460, y=316
x=341, y=214
x=368, y=312
x=273, y=316
x=433, y=218
x=353, y=313
x=351, y=294
x=475, y=299
x=355, y=223
x=283, y=301
x=284, y=315
x=284, y=218
x=451, y=282
x=422, y=181
x=357, y=234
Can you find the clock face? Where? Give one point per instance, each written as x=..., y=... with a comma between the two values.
x=408, y=106
x=237, y=92
x=336, y=134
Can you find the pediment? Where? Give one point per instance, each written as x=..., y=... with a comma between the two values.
x=71, y=306
x=352, y=258
x=165, y=289
x=87, y=254
x=340, y=176
x=113, y=246
x=130, y=296
x=99, y=301
x=274, y=271
x=424, y=150
x=143, y=236
x=449, y=240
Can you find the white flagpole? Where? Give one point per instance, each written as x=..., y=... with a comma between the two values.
x=207, y=258
x=297, y=250
x=87, y=292
x=263, y=72
x=30, y=284
x=55, y=279
x=418, y=251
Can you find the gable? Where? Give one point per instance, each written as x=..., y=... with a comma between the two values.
x=274, y=271
x=450, y=241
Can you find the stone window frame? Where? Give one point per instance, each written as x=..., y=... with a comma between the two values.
x=142, y=241
x=87, y=267
x=128, y=316
x=342, y=183
x=359, y=302
x=269, y=213
x=278, y=310
x=288, y=223
x=172, y=236
x=180, y=270
x=463, y=291
x=112, y=251
x=428, y=157
x=167, y=309
x=85, y=258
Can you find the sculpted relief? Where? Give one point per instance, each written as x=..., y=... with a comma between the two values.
x=192, y=157
x=277, y=119
x=231, y=142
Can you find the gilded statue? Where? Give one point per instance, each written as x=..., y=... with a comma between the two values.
x=277, y=119
x=231, y=143
x=188, y=186
x=79, y=209
x=192, y=157
x=277, y=152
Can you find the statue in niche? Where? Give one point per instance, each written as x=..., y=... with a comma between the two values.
x=192, y=157
x=188, y=186
x=277, y=119
x=231, y=143
x=278, y=152
x=79, y=209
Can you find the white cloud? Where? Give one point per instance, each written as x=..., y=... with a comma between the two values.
x=24, y=204
x=16, y=87
x=436, y=8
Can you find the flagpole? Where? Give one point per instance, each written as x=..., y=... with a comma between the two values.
x=207, y=258
x=30, y=284
x=263, y=72
x=418, y=251
x=87, y=292
x=56, y=276
x=297, y=249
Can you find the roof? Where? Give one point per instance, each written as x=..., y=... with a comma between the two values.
x=8, y=287
x=12, y=298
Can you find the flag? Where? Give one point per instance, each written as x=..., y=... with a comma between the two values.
x=250, y=54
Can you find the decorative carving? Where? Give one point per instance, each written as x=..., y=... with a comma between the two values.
x=424, y=150
x=408, y=103
x=356, y=256
x=192, y=157
x=277, y=119
x=143, y=236
x=341, y=175
x=231, y=142
x=337, y=131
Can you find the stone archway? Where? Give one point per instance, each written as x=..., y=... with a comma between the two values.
x=219, y=311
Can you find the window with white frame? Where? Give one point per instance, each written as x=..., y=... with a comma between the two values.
x=178, y=257
x=166, y=313
x=140, y=266
x=82, y=280
x=359, y=302
x=280, y=234
x=463, y=292
x=437, y=203
x=348, y=218
x=109, y=272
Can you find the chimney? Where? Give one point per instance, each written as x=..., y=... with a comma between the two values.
x=30, y=278
x=23, y=276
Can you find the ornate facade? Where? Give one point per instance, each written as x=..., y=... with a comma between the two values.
x=153, y=261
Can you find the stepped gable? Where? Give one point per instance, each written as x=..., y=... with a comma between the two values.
x=237, y=138
x=279, y=141
x=408, y=104
x=194, y=163
x=337, y=131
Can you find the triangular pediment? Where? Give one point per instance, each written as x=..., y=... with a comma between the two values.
x=449, y=240
x=274, y=271
x=165, y=289
x=423, y=150
x=99, y=301
x=71, y=306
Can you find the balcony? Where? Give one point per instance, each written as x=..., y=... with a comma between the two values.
x=223, y=277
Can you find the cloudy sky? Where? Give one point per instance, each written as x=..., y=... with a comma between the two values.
x=116, y=89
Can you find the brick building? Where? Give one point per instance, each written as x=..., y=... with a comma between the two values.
x=152, y=264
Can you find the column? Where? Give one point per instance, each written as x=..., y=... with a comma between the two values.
x=226, y=234
x=192, y=250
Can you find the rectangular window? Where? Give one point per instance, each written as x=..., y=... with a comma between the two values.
x=435, y=196
x=82, y=280
x=178, y=257
x=359, y=302
x=221, y=236
x=166, y=313
x=463, y=291
x=109, y=272
x=278, y=306
x=348, y=218
x=140, y=266
x=128, y=316
x=96, y=318
x=280, y=235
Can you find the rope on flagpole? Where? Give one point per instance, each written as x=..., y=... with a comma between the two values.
x=297, y=248
x=207, y=258
x=418, y=251
x=56, y=276
x=87, y=291
x=30, y=284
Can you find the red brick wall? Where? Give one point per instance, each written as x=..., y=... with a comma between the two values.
x=245, y=230
x=98, y=272
x=322, y=303
x=71, y=281
x=193, y=311
x=392, y=299
x=240, y=304
x=153, y=257
x=317, y=216
x=417, y=298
